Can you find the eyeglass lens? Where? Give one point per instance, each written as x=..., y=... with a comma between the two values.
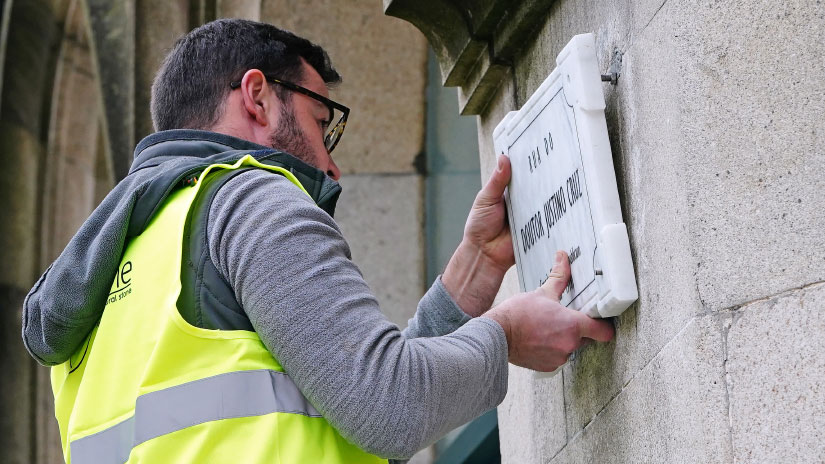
x=336, y=128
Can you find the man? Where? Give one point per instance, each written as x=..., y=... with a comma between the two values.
x=208, y=309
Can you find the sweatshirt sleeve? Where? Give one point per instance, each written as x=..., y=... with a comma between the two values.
x=387, y=393
x=437, y=314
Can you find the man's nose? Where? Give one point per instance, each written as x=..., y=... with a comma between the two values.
x=333, y=171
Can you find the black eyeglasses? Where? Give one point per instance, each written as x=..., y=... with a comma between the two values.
x=333, y=135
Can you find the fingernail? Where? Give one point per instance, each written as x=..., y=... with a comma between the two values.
x=559, y=257
x=500, y=162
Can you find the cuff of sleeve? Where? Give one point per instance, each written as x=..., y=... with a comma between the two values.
x=452, y=313
x=500, y=337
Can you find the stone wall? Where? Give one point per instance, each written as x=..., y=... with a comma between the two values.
x=719, y=147
x=23, y=138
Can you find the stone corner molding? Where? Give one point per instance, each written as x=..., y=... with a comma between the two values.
x=111, y=33
x=475, y=41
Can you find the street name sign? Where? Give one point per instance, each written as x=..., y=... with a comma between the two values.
x=562, y=194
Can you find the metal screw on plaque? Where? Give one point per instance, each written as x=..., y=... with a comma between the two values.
x=614, y=71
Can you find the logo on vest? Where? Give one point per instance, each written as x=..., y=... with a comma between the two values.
x=122, y=286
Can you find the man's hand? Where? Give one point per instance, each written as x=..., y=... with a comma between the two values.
x=474, y=273
x=486, y=226
x=541, y=333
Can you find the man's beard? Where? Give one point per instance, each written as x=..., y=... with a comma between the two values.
x=290, y=138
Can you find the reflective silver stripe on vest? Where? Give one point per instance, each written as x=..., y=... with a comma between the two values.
x=224, y=396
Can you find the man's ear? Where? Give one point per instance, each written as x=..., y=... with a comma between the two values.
x=255, y=91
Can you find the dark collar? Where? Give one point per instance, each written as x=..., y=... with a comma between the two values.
x=161, y=146
x=202, y=148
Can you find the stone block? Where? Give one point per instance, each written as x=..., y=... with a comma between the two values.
x=775, y=366
x=531, y=417
x=547, y=416
x=33, y=31
x=70, y=175
x=17, y=424
x=158, y=24
x=597, y=372
x=515, y=429
x=383, y=62
x=111, y=28
x=753, y=141
x=381, y=218
x=673, y=410
x=49, y=447
x=642, y=13
x=424, y=456
x=21, y=151
x=247, y=9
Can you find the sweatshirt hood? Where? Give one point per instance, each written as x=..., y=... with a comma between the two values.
x=69, y=298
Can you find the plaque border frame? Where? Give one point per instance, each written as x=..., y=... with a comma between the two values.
x=581, y=85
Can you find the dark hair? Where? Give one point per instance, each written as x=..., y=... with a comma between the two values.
x=193, y=80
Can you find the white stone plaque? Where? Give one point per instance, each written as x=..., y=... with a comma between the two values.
x=563, y=195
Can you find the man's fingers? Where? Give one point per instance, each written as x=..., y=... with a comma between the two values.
x=558, y=278
x=600, y=330
x=492, y=191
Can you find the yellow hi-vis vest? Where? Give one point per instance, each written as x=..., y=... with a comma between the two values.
x=148, y=387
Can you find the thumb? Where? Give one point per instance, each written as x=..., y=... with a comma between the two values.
x=492, y=191
x=558, y=278
x=600, y=330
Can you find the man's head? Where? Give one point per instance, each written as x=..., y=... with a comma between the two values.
x=192, y=88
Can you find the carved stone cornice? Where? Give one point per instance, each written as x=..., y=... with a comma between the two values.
x=475, y=41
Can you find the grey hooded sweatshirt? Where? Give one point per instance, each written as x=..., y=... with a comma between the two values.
x=290, y=270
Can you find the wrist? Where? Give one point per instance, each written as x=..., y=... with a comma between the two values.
x=499, y=315
x=472, y=279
